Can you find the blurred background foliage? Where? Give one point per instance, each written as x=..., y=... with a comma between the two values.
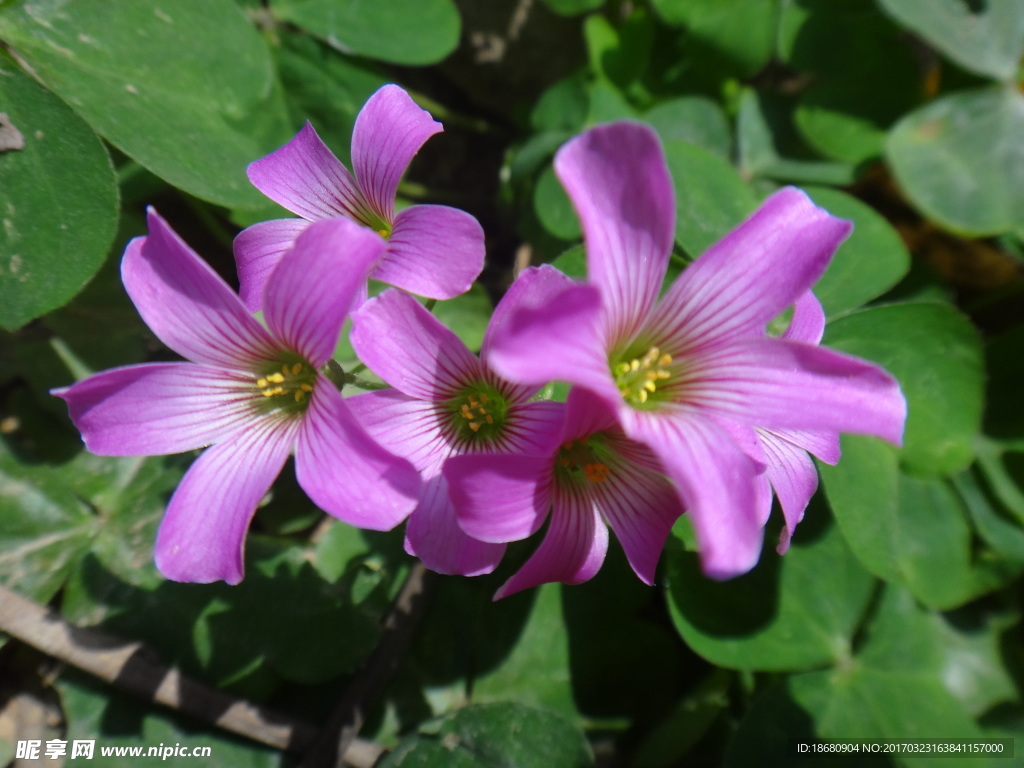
x=896, y=613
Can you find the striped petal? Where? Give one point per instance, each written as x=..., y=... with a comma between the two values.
x=793, y=478
x=410, y=349
x=640, y=506
x=305, y=177
x=550, y=330
x=258, y=250
x=413, y=429
x=618, y=181
x=186, y=304
x=750, y=275
x=715, y=479
x=433, y=251
x=773, y=383
x=345, y=472
x=573, y=549
x=389, y=131
x=500, y=498
x=808, y=321
x=434, y=536
x=158, y=408
x=309, y=296
x=202, y=536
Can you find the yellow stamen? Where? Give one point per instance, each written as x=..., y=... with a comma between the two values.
x=637, y=379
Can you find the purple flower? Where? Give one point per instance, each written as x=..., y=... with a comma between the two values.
x=594, y=478
x=692, y=374
x=432, y=250
x=446, y=401
x=251, y=393
x=789, y=471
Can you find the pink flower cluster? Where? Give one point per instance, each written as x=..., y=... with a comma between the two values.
x=679, y=403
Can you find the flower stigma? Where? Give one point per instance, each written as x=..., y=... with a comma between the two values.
x=638, y=377
x=578, y=460
x=478, y=412
x=285, y=384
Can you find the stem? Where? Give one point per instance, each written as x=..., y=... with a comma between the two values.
x=134, y=668
x=339, y=734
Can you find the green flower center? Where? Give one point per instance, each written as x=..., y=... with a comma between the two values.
x=285, y=384
x=642, y=379
x=580, y=461
x=478, y=412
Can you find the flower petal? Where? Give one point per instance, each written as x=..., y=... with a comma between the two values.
x=202, y=536
x=158, y=408
x=434, y=536
x=500, y=497
x=618, y=181
x=808, y=321
x=389, y=131
x=823, y=445
x=773, y=383
x=716, y=481
x=407, y=427
x=551, y=331
x=640, y=506
x=410, y=349
x=305, y=177
x=532, y=428
x=794, y=479
x=186, y=304
x=345, y=472
x=751, y=274
x=311, y=292
x=572, y=551
x=433, y=251
x=258, y=249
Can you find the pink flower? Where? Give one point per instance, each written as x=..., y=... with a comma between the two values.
x=249, y=393
x=789, y=470
x=594, y=478
x=446, y=401
x=432, y=250
x=692, y=374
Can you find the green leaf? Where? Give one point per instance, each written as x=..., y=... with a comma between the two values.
x=315, y=632
x=113, y=719
x=619, y=55
x=935, y=354
x=893, y=689
x=553, y=208
x=792, y=612
x=502, y=735
x=850, y=122
x=412, y=32
x=908, y=530
x=536, y=671
x=870, y=262
x=1004, y=418
x=986, y=38
x=740, y=33
x=45, y=526
x=563, y=106
x=711, y=198
x=622, y=678
x=770, y=148
x=187, y=89
x=467, y=315
x=693, y=119
x=325, y=87
x=58, y=202
x=959, y=159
